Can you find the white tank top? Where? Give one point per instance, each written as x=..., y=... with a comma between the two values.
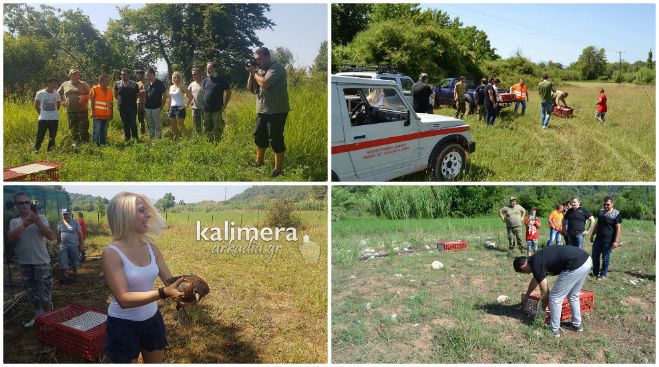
x=176, y=95
x=139, y=279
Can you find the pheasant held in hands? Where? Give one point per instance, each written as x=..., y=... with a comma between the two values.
x=193, y=287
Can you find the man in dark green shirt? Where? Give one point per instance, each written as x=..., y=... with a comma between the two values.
x=268, y=82
x=513, y=216
x=546, y=103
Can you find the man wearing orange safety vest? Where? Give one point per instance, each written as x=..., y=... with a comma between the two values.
x=521, y=95
x=101, y=99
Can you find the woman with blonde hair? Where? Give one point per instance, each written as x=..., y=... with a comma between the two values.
x=131, y=264
x=176, y=105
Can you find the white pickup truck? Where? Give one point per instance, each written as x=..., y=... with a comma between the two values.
x=376, y=136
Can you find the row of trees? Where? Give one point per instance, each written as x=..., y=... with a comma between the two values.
x=46, y=42
x=433, y=42
x=402, y=202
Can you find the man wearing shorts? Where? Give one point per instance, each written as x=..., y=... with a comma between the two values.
x=268, y=82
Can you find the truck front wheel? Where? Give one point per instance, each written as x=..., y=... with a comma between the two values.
x=449, y=163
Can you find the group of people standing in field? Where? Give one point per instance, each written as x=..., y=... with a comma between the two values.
x=144, y=96
x=567, y=222
x=486, y=99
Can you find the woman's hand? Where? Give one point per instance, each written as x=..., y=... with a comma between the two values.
x=172, y=290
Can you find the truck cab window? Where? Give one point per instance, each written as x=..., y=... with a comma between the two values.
x=374, y=106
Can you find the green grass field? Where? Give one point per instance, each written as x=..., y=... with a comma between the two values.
x=577, y=149
x=191, y=158
x=256, y=311
x=451, y=315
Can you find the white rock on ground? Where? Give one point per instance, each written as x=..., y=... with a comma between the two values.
x=398, y=275
x=396, y=249
x=470, y=259
x=394, y=316
x=427, y=247
x=502, y=298
x=363, y=242
x=436, y=265
x=353, y=277
x=367, y=306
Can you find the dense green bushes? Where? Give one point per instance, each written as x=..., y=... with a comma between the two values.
x=403, y=202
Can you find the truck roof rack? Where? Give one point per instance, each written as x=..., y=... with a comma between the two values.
x=380, y=69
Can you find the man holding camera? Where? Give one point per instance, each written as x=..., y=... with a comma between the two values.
x=29, y=231
x=267, y=79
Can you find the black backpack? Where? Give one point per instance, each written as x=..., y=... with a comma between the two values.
x=480, y=94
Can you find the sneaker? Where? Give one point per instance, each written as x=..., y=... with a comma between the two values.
x=602, y=277
x=556, y=333
x=30, y=323
x=571, y=327
x=255, y=164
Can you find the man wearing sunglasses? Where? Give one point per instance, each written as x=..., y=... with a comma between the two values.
x=605, y=237
x=29, y=231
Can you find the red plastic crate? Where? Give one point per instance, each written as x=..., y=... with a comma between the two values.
x=452, y=246
x=586, y=300
x=88, y=344
x=36, y=171
x=506, y=97
x=562, y=111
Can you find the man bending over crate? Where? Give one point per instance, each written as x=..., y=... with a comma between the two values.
x=572, y=266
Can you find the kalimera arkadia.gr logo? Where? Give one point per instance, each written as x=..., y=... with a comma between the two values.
x=261, y=241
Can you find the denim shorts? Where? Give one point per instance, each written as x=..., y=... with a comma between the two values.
x=124, y=339
x=176, y=111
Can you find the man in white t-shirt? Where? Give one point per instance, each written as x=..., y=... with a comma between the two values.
x=197, y=100
x=47, y=103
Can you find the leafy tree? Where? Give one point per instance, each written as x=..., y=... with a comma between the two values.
x=348, y=20
x=320, y=62
x=100, y=207
x=592, y=63
x=166, y=202
x=649, y=61
x=385, y=12
x=413, y=49
x=75, y=42
x=191, y=34
x=283, y=56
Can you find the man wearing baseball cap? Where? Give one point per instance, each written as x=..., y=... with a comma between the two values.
x=75, y=94
x=69, y=234
x=513, y=216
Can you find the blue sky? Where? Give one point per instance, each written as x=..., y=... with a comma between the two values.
x=188, y=193
x=559, y=32
x=299, y=27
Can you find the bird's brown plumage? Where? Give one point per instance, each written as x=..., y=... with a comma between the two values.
x=193, y=287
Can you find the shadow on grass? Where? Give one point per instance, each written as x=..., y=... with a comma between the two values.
x=640, y=274
x=209, y=340
x=510, y=311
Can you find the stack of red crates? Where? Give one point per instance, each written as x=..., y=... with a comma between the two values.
x=452, y=246
x=586, y=300
x=85, y=344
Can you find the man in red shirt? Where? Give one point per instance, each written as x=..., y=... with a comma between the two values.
x=601, y=107
x=532, y=231
x=83, y=229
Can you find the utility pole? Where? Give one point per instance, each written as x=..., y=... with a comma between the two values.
x=620, y=66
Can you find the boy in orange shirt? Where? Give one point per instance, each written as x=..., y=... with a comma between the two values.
x=532, y=231
x=555, y=225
